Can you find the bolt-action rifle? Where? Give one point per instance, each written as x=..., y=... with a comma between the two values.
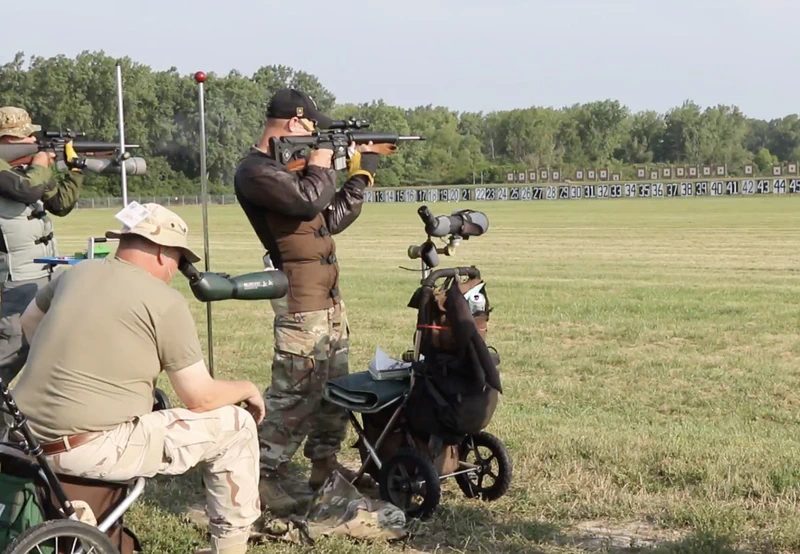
x=336, y=137
x=100, y=157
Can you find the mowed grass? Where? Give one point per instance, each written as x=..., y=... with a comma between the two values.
x=649, y=357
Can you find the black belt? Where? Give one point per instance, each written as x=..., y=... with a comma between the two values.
x=39, y=214
x=331, y=259
x=45, y=239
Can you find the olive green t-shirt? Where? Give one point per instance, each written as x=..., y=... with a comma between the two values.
x=110, y=328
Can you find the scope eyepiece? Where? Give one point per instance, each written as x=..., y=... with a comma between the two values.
x=188, y=269
x=427, y=218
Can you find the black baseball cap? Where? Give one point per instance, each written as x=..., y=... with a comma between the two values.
x=288, y=103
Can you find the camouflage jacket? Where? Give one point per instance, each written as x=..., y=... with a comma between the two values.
x=58, y=194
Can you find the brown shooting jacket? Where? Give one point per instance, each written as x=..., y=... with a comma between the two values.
x=295, y=215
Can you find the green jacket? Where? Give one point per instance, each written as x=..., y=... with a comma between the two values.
x=26, y=232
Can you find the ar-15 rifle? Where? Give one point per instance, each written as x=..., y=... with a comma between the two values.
x=336, y=137
x=104, y=156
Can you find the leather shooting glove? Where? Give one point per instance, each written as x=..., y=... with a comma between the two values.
x=364, y=163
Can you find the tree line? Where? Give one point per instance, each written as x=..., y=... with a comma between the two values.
x=162, y=116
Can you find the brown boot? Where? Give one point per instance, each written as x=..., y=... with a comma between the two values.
x=322, y=468
x=273, y=497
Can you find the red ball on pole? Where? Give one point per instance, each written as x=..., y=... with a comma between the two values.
x=200, y=77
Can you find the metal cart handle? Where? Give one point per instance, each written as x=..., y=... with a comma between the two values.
x=471, y=272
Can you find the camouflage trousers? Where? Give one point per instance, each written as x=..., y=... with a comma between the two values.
x=170, y=442
x=310, y=348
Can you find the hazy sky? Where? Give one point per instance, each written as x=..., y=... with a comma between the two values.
x=466, y=55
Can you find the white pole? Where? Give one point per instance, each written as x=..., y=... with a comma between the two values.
x=123, y=173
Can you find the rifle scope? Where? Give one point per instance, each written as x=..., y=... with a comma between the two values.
x=351, y=123
x=64, y=134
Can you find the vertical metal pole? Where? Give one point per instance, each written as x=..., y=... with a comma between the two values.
x=200, y=78
x=123, y=173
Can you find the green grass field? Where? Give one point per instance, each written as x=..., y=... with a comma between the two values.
x=649, y=355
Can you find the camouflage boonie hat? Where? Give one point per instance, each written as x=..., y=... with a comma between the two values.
x=15, y=122
x=338, y=509
x=163, y=227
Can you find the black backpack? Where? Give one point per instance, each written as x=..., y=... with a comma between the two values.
x=457, y=385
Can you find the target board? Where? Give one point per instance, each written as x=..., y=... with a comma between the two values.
x=708, y=187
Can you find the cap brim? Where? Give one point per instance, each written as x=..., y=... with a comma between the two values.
x=191, y=256
x=321, y=121
x=21, y=132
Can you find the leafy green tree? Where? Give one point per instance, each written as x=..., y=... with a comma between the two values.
x=764, y=160
x=161, y=115
x=683, y=134
x=601, y=128
x=784, y=137
x=645, y=133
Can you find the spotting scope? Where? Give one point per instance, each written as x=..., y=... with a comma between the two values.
x=462, y=223
x=208, y=286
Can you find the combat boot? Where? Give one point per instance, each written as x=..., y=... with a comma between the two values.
x=273, y=496
x=322, y=468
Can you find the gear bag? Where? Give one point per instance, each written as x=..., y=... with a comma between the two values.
x=435, y=325
x=457, y=386
x=20, y=509
x=446, y=403
x=92, y=500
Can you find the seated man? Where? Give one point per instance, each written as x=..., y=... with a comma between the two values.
x=100, y=334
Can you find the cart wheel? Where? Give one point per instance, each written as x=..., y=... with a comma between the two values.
x=160, y=400
x=409, y=476
x=62, y=535
x=494, y=465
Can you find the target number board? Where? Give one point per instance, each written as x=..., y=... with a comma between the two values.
x=501, y=193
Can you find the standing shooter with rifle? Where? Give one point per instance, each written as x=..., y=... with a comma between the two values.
x=27, y=193
x=295, y=211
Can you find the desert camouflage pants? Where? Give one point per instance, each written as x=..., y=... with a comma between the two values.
x=170, y=442
x=310, y=348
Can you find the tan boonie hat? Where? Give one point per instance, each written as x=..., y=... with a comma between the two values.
x=15, y=122
x=162, y=227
